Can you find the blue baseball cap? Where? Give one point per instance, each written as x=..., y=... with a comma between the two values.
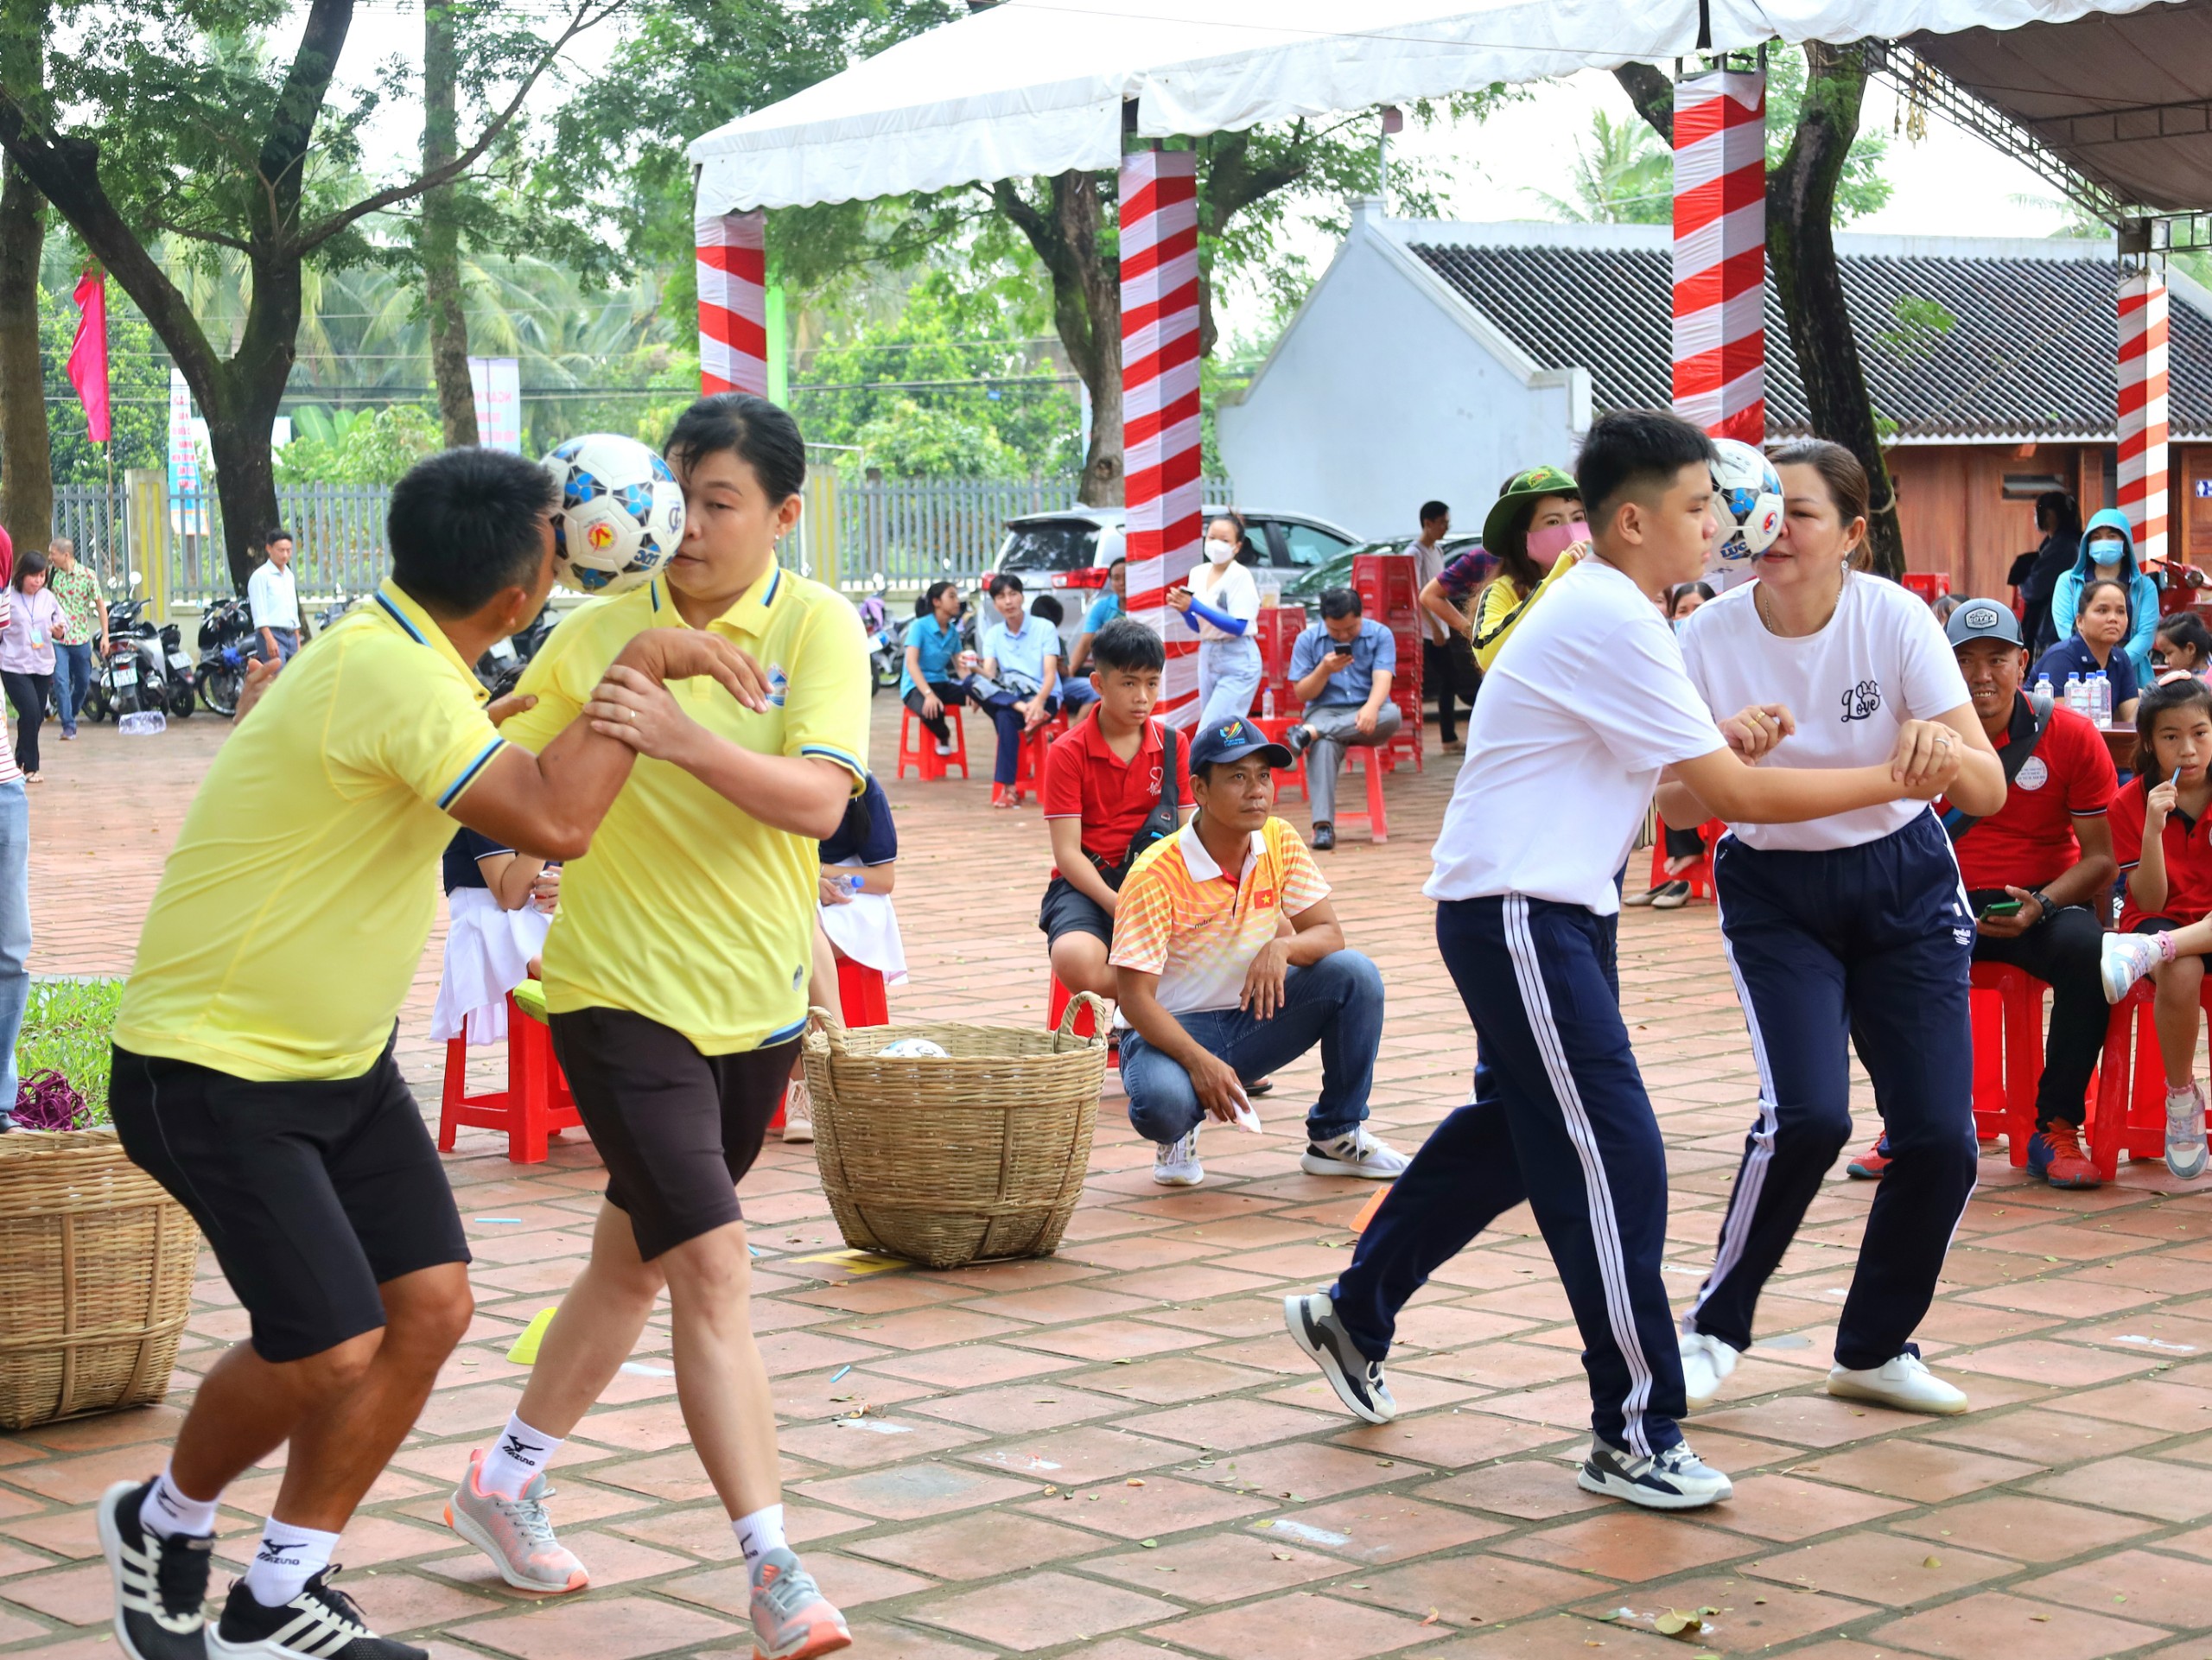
x=1233, y=740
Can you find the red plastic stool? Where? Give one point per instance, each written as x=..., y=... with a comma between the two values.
x=1698, y=876
x=1373, y=762
x=1057, y=999
x=535, y=1104
x=917, y=747
x=2128, y=1112
x=1293, y=776
x=1029, y=761
x=861, y=994
x=2007, y=1012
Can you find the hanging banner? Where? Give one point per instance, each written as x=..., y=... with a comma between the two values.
x=184, y=455
x=88, y=354
x=497, y=382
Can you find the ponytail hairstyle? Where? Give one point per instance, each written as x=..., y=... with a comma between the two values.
x=2187, y=628
x=2163, y=699
x=1246, y=554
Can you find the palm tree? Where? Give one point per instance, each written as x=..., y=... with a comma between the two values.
x=1622, y=175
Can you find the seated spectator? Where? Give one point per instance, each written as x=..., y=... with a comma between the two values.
x=854, y=919
x=1341, y=668
x=1017, y=681
x=499, y=904
x=2184, y=646
x=1216, y=993
x=929, y=683
x=1107, y=799
x=2108, y=554
x=1076, y=690
x=2035, y=873
x=2098, y=644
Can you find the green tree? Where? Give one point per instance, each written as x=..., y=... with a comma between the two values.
x=177, y=126
x=357, y=445
x=1623, y=175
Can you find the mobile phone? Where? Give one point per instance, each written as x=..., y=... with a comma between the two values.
x=2001, y=908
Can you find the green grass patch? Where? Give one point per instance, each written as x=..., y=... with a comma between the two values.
x=68, y=1025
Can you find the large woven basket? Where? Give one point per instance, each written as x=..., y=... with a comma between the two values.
x=948, y=1160
x=96, y=1265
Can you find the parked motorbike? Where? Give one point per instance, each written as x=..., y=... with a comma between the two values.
x=136, y=674
x=225, y=647
x=887, y=640
x=501, y=667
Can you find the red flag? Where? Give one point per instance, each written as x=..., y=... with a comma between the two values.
x=88, y=357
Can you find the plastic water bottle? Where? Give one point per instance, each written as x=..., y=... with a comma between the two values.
x=2044, y=693
x=143, y=724
x=2074, y=694
x=1267, y=702
x=2103, y=687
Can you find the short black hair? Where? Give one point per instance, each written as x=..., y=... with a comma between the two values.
x=277, y=534
x=1127, y=645
x=1430, y=510
x=1630, y=450
x=464, y=524
x=30, y=563
x=1004, y=581
x=1337, y=603
x=1047, y=607
x=760, y=434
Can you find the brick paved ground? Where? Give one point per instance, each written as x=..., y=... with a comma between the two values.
x=1116, y=1453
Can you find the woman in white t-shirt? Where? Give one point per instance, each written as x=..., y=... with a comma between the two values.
x=1222, y=601
x=1852, y=928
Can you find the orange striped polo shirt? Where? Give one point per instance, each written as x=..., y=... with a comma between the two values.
x=1185, y=920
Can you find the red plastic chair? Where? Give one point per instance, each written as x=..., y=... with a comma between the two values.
x=1374, y=763
x=1698, y=876
x=861, y=994
x=2127, y=1113
x=917, y=747
x=535, y=1105
x=2007, y=1014
x=1029, y=764
x=1292, y=777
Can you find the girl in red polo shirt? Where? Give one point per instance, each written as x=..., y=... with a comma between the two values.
x=2160, y=832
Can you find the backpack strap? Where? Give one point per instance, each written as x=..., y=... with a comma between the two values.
x=2030, y=719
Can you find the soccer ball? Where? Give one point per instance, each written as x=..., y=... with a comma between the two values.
x=911, y=1049
x=1746, y=499
x=620, y=515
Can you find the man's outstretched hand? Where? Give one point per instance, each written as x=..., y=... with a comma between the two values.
x=666, y=654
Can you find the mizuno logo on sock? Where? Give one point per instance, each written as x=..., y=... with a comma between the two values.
x=518, y=1449
x=166, y=1502
x=277, y=1551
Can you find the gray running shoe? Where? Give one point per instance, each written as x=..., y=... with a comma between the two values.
x=791, y=1620
x=2185, y=1145
x=515, y=1532
x=1313, y=1325
x=1676, y=1479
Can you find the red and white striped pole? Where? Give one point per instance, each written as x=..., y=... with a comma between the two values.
x=2143, y=409
x=1721, y=253
x=1160, y=402
x=733, y=273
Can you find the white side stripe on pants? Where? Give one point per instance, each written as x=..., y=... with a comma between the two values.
x=1605, y=1226
x=1736, y=1231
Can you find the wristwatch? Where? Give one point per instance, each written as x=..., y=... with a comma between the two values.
x=2044, y=905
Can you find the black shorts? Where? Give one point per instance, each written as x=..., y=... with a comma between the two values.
x=311, y=1193
x=2160, y=925
x=676, y=1130
x=1065, y=910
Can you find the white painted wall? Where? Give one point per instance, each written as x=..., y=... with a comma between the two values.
x=1387, y=390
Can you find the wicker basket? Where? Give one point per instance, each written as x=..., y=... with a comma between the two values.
x=96, y=1265
x=945, y=1161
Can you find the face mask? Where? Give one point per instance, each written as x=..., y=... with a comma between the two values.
x=1547, y=544
x=2105, y=553
x=1218, y=551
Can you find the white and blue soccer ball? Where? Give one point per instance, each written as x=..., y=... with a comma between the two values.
x=1747, y=500
x=620, y=515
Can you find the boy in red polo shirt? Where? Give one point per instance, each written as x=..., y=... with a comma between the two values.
x=1103, y=779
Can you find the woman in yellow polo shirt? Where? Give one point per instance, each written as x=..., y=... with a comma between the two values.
x=675, y=978
x=1535, y=518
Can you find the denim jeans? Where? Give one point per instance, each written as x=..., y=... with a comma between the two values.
x=14, y=927
x=73, y=680
x=1337, y=1001
x=1229, y=678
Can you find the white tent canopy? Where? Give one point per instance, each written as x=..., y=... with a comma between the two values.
x=1037, y=86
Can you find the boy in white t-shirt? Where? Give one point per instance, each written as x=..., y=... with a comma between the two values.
x=1579, y=713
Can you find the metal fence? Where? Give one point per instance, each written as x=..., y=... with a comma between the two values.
x=337, y=544
x=915, y=531
x=92, y=519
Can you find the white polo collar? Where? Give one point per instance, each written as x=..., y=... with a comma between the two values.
x=1200, y=863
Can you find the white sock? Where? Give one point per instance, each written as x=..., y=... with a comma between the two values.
x=166, y=1511
x=288, y=1559
x=760, y=1533
x=521, y=1456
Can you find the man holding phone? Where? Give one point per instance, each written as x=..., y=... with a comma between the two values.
x=1341, y=668
x=2034, y=872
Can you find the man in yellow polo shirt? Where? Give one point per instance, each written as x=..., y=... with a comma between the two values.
x=253, y=1072
x=675, y=976
x=1230, y=964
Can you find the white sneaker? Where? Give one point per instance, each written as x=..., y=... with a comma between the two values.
x=798, y=1112
x=1903, y=1383
x=1677, y=1480
x=1354, y=1153
x=1707, y=1362
x=2185, y=1148
x=2127, y=958
x=947, y=748
x=1175, y=1164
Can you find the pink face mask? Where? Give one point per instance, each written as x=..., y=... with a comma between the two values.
x=1547, y=544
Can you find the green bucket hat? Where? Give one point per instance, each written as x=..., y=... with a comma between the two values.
x=1520, y=490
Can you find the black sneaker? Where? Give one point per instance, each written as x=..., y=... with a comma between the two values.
x=161, y=1584
x=1676, y=1479
x=1324, y=836
x=321, y=1623
x=1357, y=1380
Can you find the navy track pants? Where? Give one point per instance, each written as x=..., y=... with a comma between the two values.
x=1870, y=944
x=1559, y=1118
